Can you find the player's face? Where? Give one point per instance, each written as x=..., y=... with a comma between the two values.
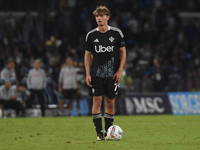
x=10, y=65
x=101, y=19
x=155, y=61
x=7, y=85
x=37, y=65
x=70, y=62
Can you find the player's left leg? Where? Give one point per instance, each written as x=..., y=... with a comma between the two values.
x=71, y=101
x=2, y=103
x=110, y=96
x=41, y=101
x=72, y=93
x=78, y=99
x=109, y=113
x=62, y=101
x=78, y=106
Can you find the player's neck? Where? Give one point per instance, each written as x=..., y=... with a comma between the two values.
x=103, y=29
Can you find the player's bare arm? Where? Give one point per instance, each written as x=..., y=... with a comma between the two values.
x=87, y=67
x=60, y=87
x=118, y=74
x=13, y=97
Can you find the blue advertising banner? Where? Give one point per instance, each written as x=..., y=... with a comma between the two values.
x=147, y=104
x=184, y=103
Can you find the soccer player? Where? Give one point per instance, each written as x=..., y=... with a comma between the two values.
x=107, y=46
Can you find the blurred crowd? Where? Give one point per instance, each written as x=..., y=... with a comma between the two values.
x=162, y=46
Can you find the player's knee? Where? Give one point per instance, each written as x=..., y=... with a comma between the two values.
x=110, y=104
x=97, y=102
x=97, y=106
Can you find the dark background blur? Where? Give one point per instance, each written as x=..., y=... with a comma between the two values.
x=51, y=30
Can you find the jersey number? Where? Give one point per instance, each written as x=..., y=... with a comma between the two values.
x=116, y=86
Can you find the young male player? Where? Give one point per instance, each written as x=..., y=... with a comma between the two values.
x=107, y=46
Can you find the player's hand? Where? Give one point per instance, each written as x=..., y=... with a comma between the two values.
x=118, y=77
x=60, y=90
x=88, y=80
x=14, y=97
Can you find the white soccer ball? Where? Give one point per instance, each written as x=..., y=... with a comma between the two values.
x=114, y=133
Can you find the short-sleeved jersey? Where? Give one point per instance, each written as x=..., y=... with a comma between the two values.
x=105, y=50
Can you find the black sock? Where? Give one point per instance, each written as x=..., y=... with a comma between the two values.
x=108, y=121
x=97, y=123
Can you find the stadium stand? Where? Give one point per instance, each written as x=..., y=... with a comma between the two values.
x=51, y=30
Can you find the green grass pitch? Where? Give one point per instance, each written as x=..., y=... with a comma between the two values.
x=157, y=132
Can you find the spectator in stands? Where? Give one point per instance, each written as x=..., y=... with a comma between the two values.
x=21, y=93
x=158, y=76
x=8, y=98
x=67, y=85
x=36, y=83
x=8, y=73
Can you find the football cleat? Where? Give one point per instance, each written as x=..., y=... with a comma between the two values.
x=100, y=138
x=106, y=138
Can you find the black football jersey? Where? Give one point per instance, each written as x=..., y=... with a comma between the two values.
x=105, y=50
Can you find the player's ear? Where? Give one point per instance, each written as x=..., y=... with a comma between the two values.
x=108, y=17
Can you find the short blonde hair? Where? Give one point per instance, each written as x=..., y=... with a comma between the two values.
x=101, y=9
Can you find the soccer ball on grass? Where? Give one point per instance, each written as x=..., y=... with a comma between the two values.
x=114, y=133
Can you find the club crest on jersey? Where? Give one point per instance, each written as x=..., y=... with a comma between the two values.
x=103, y=49
x=111, y=39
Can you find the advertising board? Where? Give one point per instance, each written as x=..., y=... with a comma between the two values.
x=184, y=103
x=146, y=104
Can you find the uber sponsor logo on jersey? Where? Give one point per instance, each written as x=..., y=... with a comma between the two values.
x=102, y=49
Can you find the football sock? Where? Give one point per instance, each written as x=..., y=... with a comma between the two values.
x=108, y=121
x=97, y=123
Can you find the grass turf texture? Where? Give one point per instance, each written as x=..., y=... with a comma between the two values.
x=164, y=132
